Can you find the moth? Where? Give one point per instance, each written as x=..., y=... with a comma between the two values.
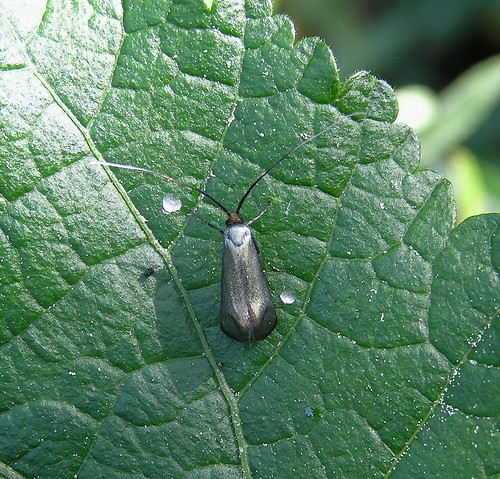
x=247, y=311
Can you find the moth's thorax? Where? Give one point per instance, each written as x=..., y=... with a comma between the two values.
x=237, y=234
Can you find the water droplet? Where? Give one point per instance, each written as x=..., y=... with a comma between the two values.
x=309, y=411
x=287, y=298
x=171, y=204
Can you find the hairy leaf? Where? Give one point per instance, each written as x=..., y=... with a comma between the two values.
x=112, y=361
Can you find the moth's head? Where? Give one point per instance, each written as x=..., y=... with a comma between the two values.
x=234, y=218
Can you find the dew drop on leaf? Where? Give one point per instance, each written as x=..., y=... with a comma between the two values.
x=171, y=204
x=287, y=298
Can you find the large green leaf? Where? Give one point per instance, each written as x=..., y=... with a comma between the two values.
x=386, y=365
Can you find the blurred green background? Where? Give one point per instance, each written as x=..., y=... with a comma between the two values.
x=443, y=59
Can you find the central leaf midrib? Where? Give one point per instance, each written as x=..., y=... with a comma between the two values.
x=165, y=255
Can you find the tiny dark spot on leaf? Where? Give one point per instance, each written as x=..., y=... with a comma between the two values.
x=149, y=272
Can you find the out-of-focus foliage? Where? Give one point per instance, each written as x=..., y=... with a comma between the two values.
x=442, y=62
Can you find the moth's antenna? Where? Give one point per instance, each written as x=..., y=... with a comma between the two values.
x=286, y=155
x=168, y=178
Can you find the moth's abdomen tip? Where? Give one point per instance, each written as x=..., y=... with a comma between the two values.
x=247, y=332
